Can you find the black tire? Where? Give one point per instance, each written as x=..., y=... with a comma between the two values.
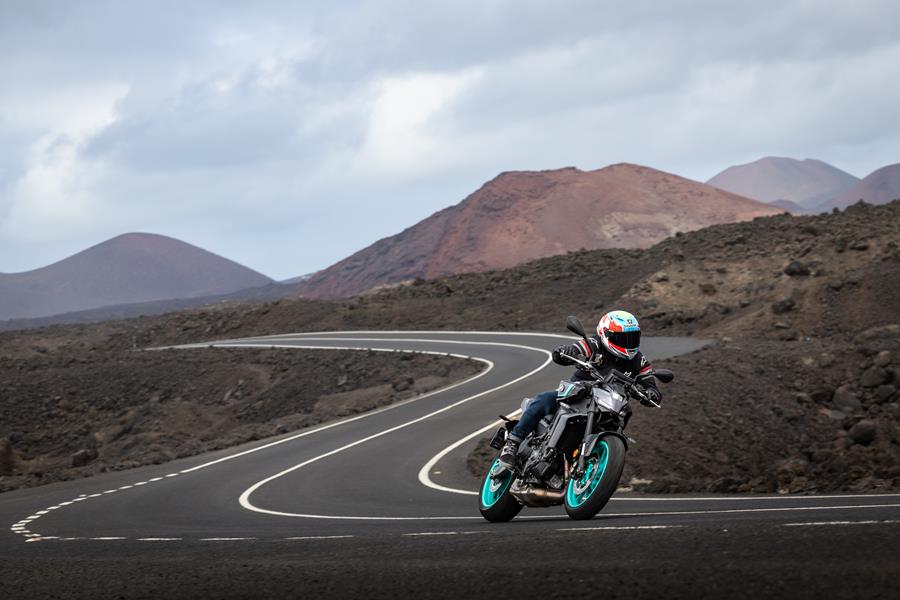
x=586, y=497
x=494, y=500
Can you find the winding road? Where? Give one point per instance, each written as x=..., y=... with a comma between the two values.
x=381, y=504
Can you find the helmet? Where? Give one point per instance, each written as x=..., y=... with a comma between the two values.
x=620, y=333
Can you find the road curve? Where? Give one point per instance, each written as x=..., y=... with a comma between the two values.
x=392, y=482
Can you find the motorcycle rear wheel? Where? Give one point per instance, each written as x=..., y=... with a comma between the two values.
x=588, y=495
x=494, y=500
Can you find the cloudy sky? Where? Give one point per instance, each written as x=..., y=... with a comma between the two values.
x=287, y=135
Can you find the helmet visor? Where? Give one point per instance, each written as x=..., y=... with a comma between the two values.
x=630, y=340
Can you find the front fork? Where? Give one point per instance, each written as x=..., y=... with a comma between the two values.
x=588, y=428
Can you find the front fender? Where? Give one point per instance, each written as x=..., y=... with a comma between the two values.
x=593, y=438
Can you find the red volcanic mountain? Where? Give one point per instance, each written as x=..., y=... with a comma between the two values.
x=879, y=187
x=135, y=267
x=796, y=185
x=521, y=216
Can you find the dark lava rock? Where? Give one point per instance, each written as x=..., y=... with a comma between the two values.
x=874, y=376
x=404, y=384
x=6, y=457
x=797, y=269
x=846, y=399
x=783, y=306
x=885, y=392
x=708, y=288
x=882, y=359
x=82, y=457
x=864, y=432
x=836, y=415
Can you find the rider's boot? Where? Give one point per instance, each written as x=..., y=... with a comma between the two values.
x=508, y=454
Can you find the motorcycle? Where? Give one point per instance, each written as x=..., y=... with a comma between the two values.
x=574, y=457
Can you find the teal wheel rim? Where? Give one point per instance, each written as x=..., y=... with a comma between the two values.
x=493, y=488
x=580, y=490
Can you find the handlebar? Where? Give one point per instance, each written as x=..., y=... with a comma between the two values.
x=613, y=375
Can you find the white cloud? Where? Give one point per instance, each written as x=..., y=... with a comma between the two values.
x=57, y=196
x=260, y=130
x=404, y=136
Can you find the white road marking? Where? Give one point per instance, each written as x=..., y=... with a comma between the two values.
x=160, y=539
x=319, y=537
x=244, y=499
x=37, y=536
x=489, y=367
x=106, y=539
x=427, y=533
x=838, y=523
x=621, y=527
x=226, y=539
x=746, y=510
x=425, y=471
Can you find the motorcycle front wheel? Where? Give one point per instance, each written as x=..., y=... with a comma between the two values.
x=494, y=500
x=587, y=495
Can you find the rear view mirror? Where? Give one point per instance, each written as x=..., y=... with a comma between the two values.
x=664, y=375
x=575, y=326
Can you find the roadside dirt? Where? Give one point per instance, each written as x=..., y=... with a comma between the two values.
x=67, y=414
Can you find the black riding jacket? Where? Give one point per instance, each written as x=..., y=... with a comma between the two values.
x=604, y=361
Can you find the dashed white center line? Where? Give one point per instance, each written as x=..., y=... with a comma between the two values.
x=620, y=527
x=838, y=523
x=106, y=539
x=427, y=533
x=160, y=539
x=226, y=539
x=319, y=537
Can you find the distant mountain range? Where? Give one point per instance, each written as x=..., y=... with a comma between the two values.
x=523, y=215
x=807, y=185
x=795, y=185
x=130, y=268
x=879, y=187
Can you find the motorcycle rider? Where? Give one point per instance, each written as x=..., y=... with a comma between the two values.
x=616, y=346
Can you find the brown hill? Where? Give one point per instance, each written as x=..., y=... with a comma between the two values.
x=135, y=267
x=525, y=215
x=879, y=187
x=808, y=183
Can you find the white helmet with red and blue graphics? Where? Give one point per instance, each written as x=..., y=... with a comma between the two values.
x=620, y=333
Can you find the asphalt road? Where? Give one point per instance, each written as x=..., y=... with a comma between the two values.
x=380, y=505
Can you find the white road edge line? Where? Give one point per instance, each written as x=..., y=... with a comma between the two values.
x=489, y=367
x=621, y=527
x=244, y=499
x=838, y=523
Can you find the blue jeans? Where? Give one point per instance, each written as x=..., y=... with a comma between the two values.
x=543, y=404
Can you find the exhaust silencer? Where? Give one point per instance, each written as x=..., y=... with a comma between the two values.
x=530, y=495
